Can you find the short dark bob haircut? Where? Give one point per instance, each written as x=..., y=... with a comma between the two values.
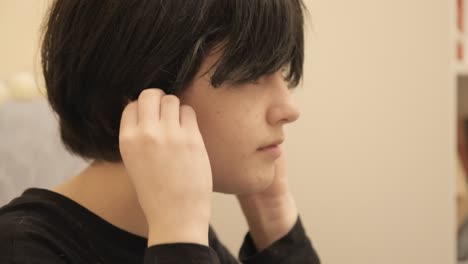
x=97, y=55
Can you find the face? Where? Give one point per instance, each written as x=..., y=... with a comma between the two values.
x=235, y=121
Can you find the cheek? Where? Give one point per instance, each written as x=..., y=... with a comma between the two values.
x=227, y=140
x=229, y=131
x=226, y=137
x=231, y=145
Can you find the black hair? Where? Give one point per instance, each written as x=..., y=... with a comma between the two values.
x=99, y=55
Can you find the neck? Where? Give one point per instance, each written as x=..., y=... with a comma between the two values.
x=105, y=189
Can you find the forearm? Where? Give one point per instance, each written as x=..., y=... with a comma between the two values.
x=269, y=220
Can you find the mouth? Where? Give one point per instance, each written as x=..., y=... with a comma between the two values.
x=273, y=149
x=274, y=144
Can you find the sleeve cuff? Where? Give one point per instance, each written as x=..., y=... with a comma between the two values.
x=176, y=253
x=293, y=247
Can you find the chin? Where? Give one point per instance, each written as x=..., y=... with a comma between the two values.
x=245, y=184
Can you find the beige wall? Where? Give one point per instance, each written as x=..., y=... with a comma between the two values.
x=371, y=159
x=377, y=132
x=19, y=24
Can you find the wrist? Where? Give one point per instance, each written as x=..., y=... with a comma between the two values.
x=178, y=232
x=181, y=223
x=269, y=219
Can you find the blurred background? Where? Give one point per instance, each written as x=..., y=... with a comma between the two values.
x=376, y=161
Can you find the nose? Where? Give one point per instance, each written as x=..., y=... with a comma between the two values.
x=283, y=109
x=283, y=114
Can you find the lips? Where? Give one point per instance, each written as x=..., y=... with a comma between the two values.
x=272, y=144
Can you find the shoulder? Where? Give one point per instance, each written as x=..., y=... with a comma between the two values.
x=10, y=235
x=27, y=232
x=21, y=217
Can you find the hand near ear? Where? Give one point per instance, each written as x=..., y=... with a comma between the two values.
x=165, y=157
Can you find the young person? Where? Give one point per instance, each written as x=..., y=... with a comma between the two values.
x=170, y=100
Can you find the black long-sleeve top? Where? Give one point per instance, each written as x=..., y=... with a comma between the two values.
x=44, y=227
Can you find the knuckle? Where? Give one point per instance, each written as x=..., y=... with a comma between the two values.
x=126, y=141
x=130, y=106
x=152, y=92
x=145, y=93
x=149, y=137
x=175, y=138
x=125, y=137
x=170, y=99
x=187, y=109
